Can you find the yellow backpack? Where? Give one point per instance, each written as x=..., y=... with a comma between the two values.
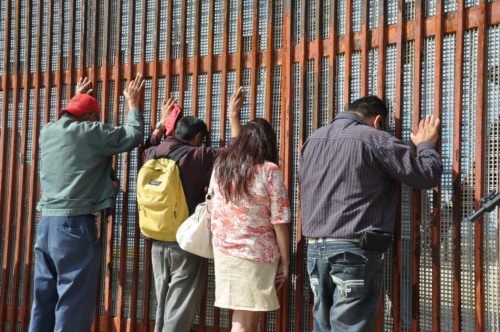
x=160, y=196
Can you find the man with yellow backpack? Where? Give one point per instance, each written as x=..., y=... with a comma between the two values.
x=173, y=180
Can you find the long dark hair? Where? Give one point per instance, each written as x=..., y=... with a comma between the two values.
x=234, y=168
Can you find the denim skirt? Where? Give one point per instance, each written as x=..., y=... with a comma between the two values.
x=243, y=284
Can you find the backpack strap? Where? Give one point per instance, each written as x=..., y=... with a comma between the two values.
x=178, y=153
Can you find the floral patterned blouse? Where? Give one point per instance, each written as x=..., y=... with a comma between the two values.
x=245, y=229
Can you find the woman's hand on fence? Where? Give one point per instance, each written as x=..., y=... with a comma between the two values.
x=84, y=85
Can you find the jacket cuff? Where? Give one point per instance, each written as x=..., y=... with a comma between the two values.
x=426, y=145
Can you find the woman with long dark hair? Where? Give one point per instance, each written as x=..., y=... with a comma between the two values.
x=250, y=226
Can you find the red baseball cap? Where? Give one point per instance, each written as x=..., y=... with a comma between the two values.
x=82, y=103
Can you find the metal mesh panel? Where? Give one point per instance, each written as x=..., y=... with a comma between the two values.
x=406, y=192
x=450, y=5
x=174, y=87
x=12, y=39
x=325, y=18
x=373, y=14
x=355, y=76
x=468, y=158
x=356, y=15
x=188, y=94
x=392, y=11
x=263, y=10
x=100, y=33
x=53, y=105
x=324, y=97
x=430, y=7
x=231, y=86
x=113, y=8
x=276, y=104
x=111, y=103
x=33, y=36
x=218, y=34
x=210, y=294
x=22, y=36
x=215, y=124
x=245, y=83
x=278, y=24
x=55, y=34
x=390, y=87
x=13, y=223
x=190, y=27
x=339, y=83
x=3, y=15
x=296, y=20
x=162, y=40
x=89, y=29
x=233, y=25
x=150, y=27
x=311, y=20
x=446, y=216
x=260, y=111
x=309, y=96
x=64, y=95
x=205, y=13
x=137, y=32
x=372, y=71
x=425, y=280
x=176, y=29
x=409, y=10
x=202, y=96
x=471, y=3
x=247, y=25
x=492, y=180
x=124, y=31
x=340, y=14
x=296, y=109
x=118, y=220
x=77, y=33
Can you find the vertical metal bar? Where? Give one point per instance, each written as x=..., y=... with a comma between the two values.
x=415, y=211
x=457, y=165
x=69, y=71
x=210, y=65
x=435, y=226
x=182, y=60
x=364, y=48
x=81, y=67
x=239, y=52
x=269, y=60
x=397, y=259
x=196, y=58
x=317, y=52
x=253, y=57
x=332, y=54
x=59, y=81
x=168, y=60
x=381, y=50
x=348, y=52
x=480, y=157
x=224, y=64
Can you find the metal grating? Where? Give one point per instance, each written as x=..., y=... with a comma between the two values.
x=77, y=38
x=391, y=12
x=406, y=284
x=22, y=36
x=430, y=8
x=111, y=103
x=309, y=96
x=55, y=33
x=162, y=39
x=12, y=37
x=215, y=123
x=276, y=104
x=492, y=181
x=471, y=3
x=390, y=89
x=13, y=224
x=174, y=87
x=202, y=96
x=247, y=25
x=176, y=29
x=204, y=19
x=245, y=83
x=468, y=157
x=233, y=25
x=188, y=95
x=324, y=97
x=90, y=27
x=150, y=26
x=356, y=15
x=231, y=87
x=137, y=32
x=446, y=217
x=3, y=26
x=409, y=10
x=278, y=24
x=190, y=27
x=355, y=76
x=340, y=14
x=260, y=111
x=100, y=34
x=325, y=18
x=219, y=23
x=124, y=31
x=339, y=83
x=296, y=20
x=33, y=39
x=311, y=20
x=372, y=71
x=449, y=5
x=113, y=8
x=373, y=14
x=263, y=13
x=53, y=105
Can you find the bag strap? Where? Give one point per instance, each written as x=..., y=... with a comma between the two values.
x=175, y=154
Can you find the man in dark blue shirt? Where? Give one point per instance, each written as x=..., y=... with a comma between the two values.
x=348, y=179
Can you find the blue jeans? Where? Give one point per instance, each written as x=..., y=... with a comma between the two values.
x=346, y=282
x=66, y=274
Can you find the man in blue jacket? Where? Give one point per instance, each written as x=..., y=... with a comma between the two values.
x=77, y=185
